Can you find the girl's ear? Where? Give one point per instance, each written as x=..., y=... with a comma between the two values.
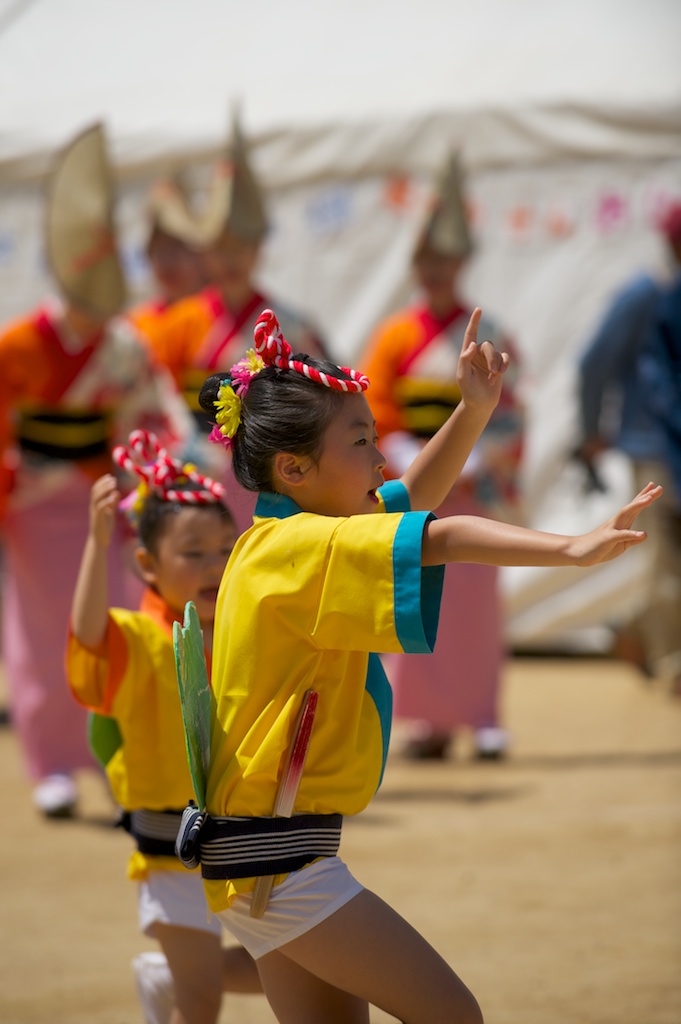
x=290, y=470
x=146, y=565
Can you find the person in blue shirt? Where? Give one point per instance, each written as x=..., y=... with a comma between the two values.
x=615, y=398
x=659, y=367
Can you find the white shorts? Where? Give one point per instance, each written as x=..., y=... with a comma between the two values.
x=175, y=897
x=303, y=900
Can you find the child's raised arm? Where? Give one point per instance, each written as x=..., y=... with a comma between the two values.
x=472, y=539
x=90, y=607
x=436, y=468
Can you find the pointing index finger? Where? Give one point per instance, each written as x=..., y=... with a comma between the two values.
x=471, y=334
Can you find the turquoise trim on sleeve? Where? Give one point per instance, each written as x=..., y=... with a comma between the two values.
x=395, y=496
x=417, y=589
x=378, y=688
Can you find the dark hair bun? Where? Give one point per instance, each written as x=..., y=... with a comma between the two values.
x=209, y=393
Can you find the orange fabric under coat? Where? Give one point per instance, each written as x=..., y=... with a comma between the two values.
x=147, y=315
x=181, y=337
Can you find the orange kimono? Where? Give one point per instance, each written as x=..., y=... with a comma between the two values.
x=146, y=315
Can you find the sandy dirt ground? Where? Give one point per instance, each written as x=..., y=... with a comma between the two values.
x=551, y=882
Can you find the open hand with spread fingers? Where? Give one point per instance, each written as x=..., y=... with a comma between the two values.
x=615, y=536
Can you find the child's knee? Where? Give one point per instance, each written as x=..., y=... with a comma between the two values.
x=198, y=1004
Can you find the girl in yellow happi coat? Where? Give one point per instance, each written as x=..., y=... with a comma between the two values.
x=336, y=566
x=121, y=666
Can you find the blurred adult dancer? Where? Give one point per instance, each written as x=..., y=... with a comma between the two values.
x=411, y=362
x=75, y=379
x=210, y=331
x=174, y=263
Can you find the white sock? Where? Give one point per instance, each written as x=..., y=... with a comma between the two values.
x=154, y=986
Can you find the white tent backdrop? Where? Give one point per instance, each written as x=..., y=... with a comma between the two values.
x=568, y=121
x=161, y=71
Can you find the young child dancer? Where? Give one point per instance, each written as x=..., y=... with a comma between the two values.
x=121, y=664
x=318, y=583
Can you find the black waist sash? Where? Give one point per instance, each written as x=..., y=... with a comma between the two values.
x=63, y=434
x=248, y=847
x=154, y=832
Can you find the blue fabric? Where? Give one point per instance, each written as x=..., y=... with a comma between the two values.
x=395, y=496
x=660, y=369
x=609, y=372
x=417, y=600
x=379, y=690
x=418, y=590
x=275, y=506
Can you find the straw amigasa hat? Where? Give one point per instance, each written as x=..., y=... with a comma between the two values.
x=445, y=230
x=233, y=203
x=80, y=235
x=245, y=215
x=171, y=209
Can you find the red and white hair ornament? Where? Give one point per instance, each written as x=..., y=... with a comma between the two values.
x=271, y=349
x=274, y=350
x=160, y=474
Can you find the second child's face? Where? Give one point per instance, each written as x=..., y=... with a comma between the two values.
x=350, y=469
x=190, y=559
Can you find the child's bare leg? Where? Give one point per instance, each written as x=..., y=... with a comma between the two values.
x=195, y=959
x=239, y=971
x=367, y=949
x=298, y=997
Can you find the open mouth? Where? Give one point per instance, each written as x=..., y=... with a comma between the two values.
x=208, y=594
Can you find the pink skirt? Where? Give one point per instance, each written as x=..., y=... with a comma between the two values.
x=43, y=547
x=458, y=684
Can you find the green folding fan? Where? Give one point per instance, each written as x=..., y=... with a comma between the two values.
x=195, y=695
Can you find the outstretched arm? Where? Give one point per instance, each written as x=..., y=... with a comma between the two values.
x=90, y=607
x=436, y=468
x=473, y=539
